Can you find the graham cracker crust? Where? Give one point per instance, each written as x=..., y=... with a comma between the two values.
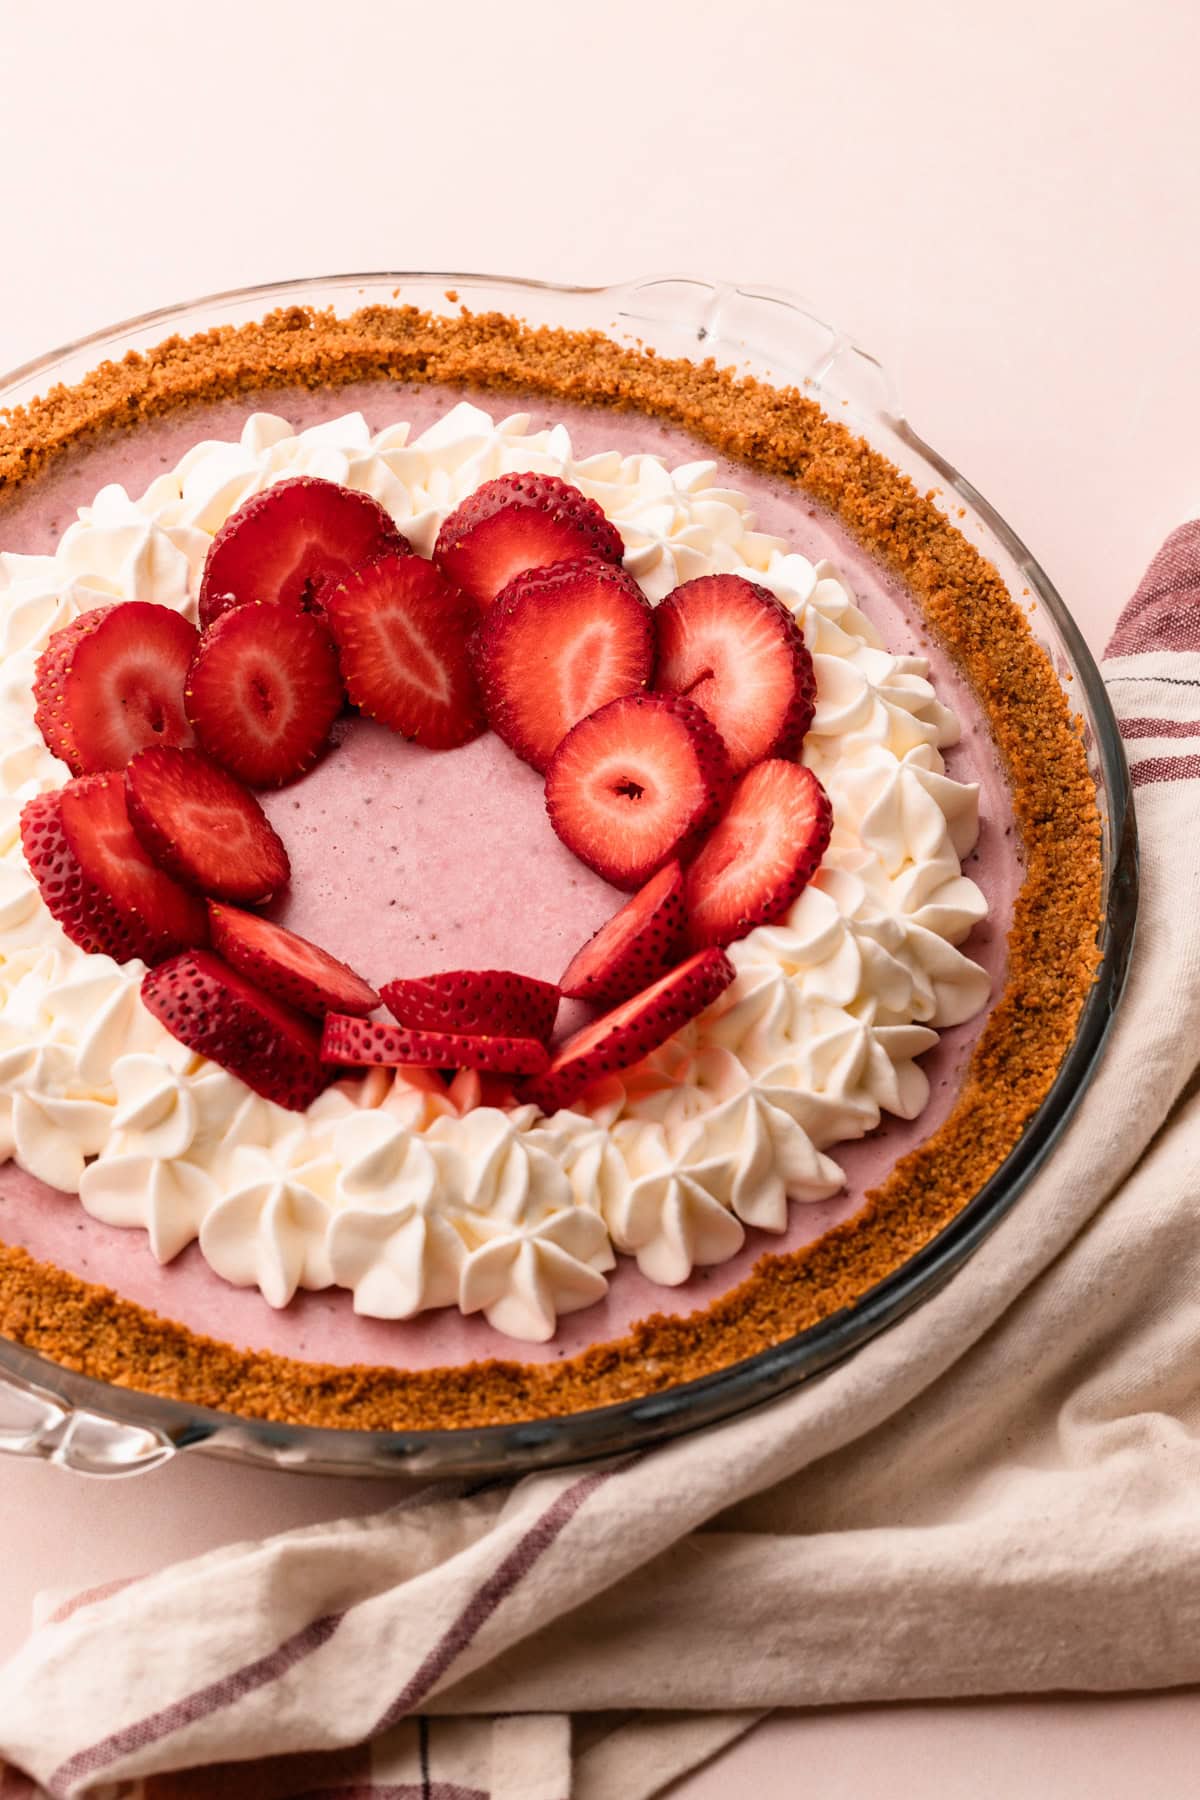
x=1052, y=953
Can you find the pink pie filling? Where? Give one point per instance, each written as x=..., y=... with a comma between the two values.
x=406, y=861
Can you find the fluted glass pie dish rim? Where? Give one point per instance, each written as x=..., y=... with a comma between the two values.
x=87, y=1424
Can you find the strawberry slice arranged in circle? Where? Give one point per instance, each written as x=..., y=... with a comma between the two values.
x=285, y=543
x=87, y=916
x=157, y=915
x=288, y=965
x=49, y=677
x=219, y=1014
x=762, y=853
x=555, y=645
x=203, y=827
x=634, y=784
x=112, y=682
x=263, y=691
x=519, y=522
x=632, y=1030
x=363, y=1043
x=465, y=1002
x=637, y=945
x=736, y=650
x=403, y=636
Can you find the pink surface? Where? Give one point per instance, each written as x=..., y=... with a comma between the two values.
x=406, y=861
x=997, y=201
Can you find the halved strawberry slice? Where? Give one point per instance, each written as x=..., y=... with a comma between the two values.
x=520, y=522
x=362, y=1043
x=158, y=917
x=762, y=852
x=112, y=682
x=49, y=678
x=87, y=916
x=736, y=650
x=631, y=1031
x=468, y=1001
x=219, y=1014
x=557, y=644
x=403, y=634
x=202, y=826
x=288, y=965
x=638, y=944
x=634, y=784
x=263, y=690
x=283, y=544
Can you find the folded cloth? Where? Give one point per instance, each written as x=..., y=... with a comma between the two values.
x=996, y=1495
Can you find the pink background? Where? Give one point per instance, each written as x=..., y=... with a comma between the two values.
x=1000, y=201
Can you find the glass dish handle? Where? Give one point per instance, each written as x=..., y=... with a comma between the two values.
x=34, y=1423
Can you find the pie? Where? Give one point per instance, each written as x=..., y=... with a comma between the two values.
x=449, y=663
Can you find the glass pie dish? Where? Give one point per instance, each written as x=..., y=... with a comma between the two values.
x=52, y=1411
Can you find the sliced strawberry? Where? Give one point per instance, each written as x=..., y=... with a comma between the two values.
x=202, y=826
x=219, y=1014
x=468, y=1001
x=736, y=650
x=86, y=915
x=520, y=522
x=112, y=682
x=557, y=644
x=287, y=965
x=157, y=916
x=263, y=690
x=638, y=944
x=634, y=784
x=360, y=1043
x=632, y=1030
x=286, y=542
x=403, y=634
x=765, y=848
x=49, y=679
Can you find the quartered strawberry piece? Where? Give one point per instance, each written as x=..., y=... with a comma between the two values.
x=520, y=522
x=112, y=682
x=263, y=691
x=219, y=1014
x=558, y=643
x=637, y=945
x=632, y=1030
x=155, y=916
x=203, y=827
x=633, y=785
x=288, y=965
x=87, y=916
x=762, y=852
x=361, y=1043
x=736, y=650
x=496, y=1002
x=403, y=637
x=285, y=543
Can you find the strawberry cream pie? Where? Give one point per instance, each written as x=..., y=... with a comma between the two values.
x=506, y=904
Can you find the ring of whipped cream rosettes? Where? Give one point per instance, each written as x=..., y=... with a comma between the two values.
x=402, y=1191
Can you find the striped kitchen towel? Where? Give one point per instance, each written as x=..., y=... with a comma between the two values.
x=997, y=1495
